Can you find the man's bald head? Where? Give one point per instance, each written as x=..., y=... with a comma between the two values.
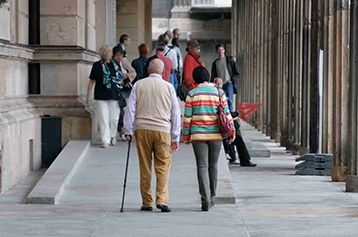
x=156, y=66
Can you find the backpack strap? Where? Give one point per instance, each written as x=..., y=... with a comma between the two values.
x=167, y=51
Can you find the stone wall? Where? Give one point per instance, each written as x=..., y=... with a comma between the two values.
x=20, y=133
x=68, y=39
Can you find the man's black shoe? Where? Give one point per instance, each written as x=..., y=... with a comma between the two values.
x=250, y=164
x=146, y=208
x=163, y=208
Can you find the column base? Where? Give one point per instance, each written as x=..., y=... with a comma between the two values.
x=352, y=183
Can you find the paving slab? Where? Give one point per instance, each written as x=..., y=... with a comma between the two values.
x=90, y=205
x=274, y=202
x=100, y=177
x=270, y=202
x=255, y=141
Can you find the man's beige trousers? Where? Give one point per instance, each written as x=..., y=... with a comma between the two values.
x=153, y=144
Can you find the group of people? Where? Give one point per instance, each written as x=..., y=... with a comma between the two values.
x=144, y=93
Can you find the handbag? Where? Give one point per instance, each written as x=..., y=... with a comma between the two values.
x=223, y=121
x=183, y=92
x=127, y=87
x=121, y=100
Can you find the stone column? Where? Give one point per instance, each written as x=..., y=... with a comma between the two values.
x=352, y=177
x=290, y=75
x=106, y=18
x=284, y=72
x=335, y=102
x=275, y=45
x=314, y=96
x=148, y=22
x=268, y=66
x=306, y=64
x=131, y=15
x=296, y=142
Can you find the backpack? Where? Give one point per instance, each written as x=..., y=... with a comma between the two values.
x=182, y=92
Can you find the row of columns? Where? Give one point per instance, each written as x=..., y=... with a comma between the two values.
x=352, y=151
x=296, y=61
x=270, y=42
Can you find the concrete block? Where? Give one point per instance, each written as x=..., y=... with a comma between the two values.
x=320, y=158
x=256, y=149
x=91, y=39
x=59, y=79
x=225, y=192
x=63, y=7
x=127, y=7
x=315, y=165
x=23, y=28
x=260, y=153
x=313, y=171
x=57, y=30
x=91, y=17
x=52, y=184
x=5, y=22
x=14, y=77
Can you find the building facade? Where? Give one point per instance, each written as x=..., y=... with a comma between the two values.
x=207, y=21
x=47, y=48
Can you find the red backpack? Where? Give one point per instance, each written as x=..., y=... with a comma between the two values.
x=223, y=121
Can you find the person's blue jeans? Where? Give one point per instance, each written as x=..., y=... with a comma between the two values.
x=228, y=88
x=174, y=81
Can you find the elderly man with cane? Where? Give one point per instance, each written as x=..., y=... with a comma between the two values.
x=153, y=112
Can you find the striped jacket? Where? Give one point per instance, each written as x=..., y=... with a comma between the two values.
x=201, y=114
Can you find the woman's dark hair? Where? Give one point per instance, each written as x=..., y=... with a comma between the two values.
x=201, y=74
x=117, y=49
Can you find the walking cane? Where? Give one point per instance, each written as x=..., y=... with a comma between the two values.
x=125, y=175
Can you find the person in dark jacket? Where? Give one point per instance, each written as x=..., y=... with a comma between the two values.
x=139, y=64
x=229, y=148
x=225, y=68
x=244, y=155
x=124, y=42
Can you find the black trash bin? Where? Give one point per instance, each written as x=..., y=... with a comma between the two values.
x=51, y=139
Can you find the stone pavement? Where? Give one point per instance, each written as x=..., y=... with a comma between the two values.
x=91, y=202
x=271, y=201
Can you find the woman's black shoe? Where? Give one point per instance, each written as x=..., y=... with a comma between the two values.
x=205, y=207
x=163, y=208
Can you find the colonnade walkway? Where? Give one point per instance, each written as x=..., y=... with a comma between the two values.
x=270, y=201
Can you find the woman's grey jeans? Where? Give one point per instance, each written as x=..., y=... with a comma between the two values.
x=207, y=156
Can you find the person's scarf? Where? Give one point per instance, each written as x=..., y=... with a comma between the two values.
x=107, y=78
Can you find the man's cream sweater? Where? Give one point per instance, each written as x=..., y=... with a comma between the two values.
x=154, y=104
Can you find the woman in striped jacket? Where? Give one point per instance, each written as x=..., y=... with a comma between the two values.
x=201, y=129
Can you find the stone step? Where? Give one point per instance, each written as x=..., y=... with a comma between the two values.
x=256, y=149
x=50, y=187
